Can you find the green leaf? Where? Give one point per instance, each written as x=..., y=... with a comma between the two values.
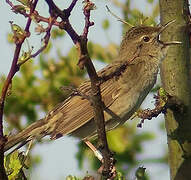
x=16, y=28
x=19, y=9
x=14, y=164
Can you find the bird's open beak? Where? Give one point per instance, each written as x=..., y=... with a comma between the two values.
x=162, y=29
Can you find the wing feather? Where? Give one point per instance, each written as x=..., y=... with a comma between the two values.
x=77, y=111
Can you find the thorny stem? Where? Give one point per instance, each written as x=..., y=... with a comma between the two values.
x=81, y=43
x=96, y=98
x=14, y=68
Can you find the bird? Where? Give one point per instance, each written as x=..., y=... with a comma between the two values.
x=124, y=84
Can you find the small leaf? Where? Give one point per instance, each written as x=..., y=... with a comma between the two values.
x=18, y=9
x=16, y=28
x=88, y=5
x=39, y=29
x=14, y=164
x=18, y=32
x=24, y=56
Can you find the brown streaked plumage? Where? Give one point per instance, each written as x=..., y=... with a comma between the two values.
x=124, y=85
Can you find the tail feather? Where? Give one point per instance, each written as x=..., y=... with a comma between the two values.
x=25, y=135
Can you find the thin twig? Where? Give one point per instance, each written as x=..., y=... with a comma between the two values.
x=70, y=8
x=118, y=18
x=9, y=3
x=14, y=68
x=46, y=40
x=65, y=24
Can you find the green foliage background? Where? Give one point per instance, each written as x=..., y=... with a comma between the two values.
x=37, y=89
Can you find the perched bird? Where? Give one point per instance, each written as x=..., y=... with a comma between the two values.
x=124, y=85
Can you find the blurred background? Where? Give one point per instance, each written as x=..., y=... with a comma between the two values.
x=36, y=90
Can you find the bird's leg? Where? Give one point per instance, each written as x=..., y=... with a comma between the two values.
x=99, y=155
x=29, y=147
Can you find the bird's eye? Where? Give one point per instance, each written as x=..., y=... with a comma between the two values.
x=146, y=38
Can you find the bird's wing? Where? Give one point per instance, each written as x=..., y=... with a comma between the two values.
x=76, y=110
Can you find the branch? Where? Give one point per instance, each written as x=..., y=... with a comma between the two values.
x=70, y=8
x=19, y=39
x=14, y=66
x=85, y=61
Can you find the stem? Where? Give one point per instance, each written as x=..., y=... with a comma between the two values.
x=81, y=43
x=12, y=72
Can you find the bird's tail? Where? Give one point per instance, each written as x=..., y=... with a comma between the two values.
x=32, y=131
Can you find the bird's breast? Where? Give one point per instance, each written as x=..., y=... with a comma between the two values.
x=134, y=87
